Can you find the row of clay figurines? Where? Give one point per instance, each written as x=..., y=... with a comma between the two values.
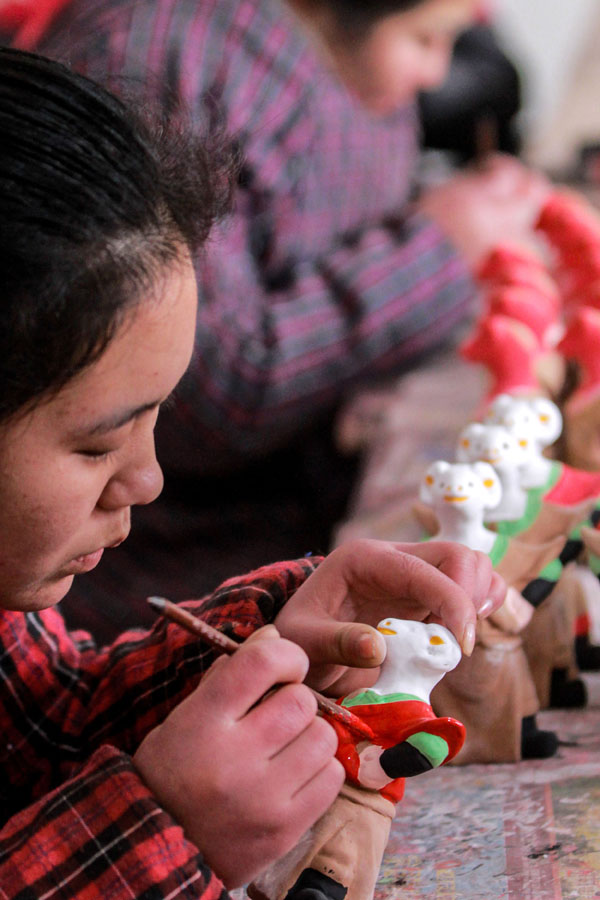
x=340, y=857
x=535, y=518
x=504, y=498
x=483, y=500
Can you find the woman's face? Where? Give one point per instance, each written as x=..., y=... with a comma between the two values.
x=71, y=470
x=404, y=53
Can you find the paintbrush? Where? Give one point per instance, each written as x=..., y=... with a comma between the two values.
x=225, y=644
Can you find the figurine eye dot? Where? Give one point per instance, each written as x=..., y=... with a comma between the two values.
x=436, y=640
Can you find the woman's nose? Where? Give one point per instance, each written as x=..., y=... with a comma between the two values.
x=137, y=482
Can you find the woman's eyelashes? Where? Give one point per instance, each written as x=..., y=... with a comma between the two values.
x=98, y=454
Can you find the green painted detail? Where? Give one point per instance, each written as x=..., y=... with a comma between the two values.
x=594, y=563
x=575, y=534
x=533, y=505
x=433, y=747
x=552, y=571
x=499, y=549
x=366, y=697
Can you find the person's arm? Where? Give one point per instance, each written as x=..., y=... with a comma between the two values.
x=267, y=357
x=226, y=784
x=62, y=698
x=325, y=275
x=216, y=748
x=101, y=834
x=107, y=823
x=278, y=346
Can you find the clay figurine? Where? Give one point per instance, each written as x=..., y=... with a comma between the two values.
x=510, y=351
x=536, y=517
x=571, y=226
x=340, y=856
x=519, y=325
x=581, y=408
x=461, y=497
x=493, y=689
x=537, y=424
x=557, y=505
x=515, y=266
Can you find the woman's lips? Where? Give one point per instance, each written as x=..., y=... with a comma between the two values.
x=88, y=561
x=85, y=563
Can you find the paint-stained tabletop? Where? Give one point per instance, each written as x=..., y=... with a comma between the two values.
x=525, y=831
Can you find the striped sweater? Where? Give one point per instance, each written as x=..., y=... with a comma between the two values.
x=324, y=274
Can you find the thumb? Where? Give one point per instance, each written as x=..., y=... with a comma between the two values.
x=348, y=644
x=267, y=632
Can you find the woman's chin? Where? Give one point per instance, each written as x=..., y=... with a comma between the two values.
x=42, y=596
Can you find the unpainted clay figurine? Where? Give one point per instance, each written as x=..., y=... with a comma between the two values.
x=580, y=588
x=341, y=855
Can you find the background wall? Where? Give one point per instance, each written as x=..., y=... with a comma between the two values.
x=555, y=44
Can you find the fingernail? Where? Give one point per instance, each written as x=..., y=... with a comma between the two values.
x=485, y=608
x=468, y=641
x=367, y=646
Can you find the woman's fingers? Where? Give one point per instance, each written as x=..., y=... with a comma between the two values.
x=239, y=682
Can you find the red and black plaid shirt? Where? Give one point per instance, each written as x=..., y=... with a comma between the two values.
x=77, y=821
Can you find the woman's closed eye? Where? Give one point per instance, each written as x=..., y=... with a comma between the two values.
x=98, y=454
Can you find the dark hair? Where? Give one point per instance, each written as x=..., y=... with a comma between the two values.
x=356, y=17
x=94, y=203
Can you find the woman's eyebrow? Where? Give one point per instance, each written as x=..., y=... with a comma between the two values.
x=111, y=423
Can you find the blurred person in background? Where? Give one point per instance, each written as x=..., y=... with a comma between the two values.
x=332, y=271
x=475, y=110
